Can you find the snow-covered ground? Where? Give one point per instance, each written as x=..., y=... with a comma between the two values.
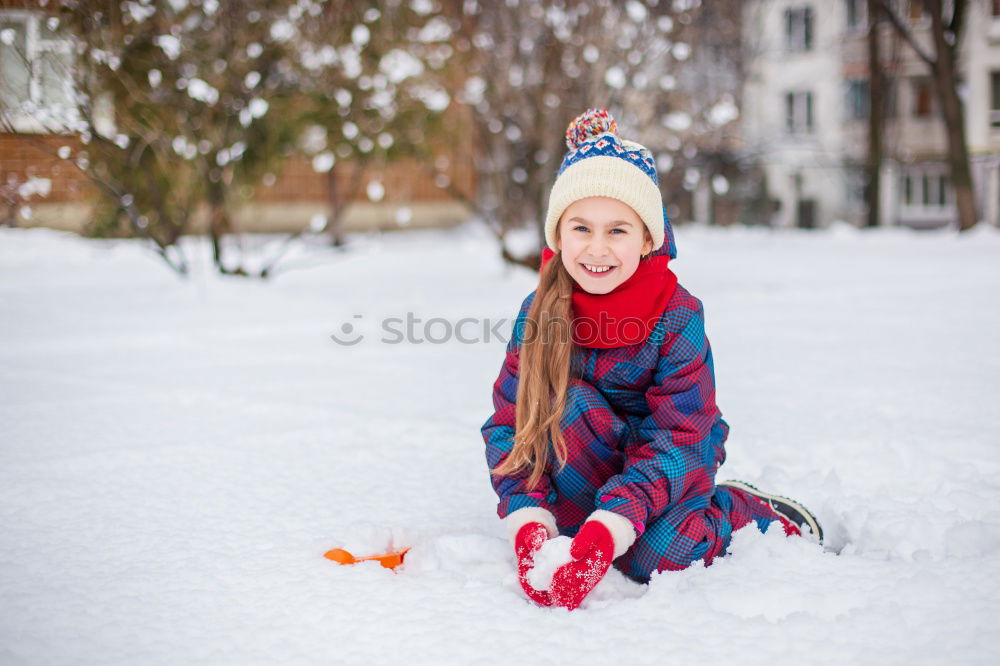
x=176, y=456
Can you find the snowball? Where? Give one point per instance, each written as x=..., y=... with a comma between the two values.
x=553, y=554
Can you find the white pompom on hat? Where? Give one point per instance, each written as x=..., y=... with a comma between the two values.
x=600, y=163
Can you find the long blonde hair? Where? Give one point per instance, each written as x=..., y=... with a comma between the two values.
x=544, y=372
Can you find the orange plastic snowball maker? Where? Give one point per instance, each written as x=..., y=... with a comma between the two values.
x=387, y=560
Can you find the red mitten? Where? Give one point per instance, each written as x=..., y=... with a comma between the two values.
x=592, y=551
x=529, y=539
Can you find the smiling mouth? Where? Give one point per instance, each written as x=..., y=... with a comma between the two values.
x=598, y=270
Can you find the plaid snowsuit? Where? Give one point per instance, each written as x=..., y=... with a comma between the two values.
x=644, y=440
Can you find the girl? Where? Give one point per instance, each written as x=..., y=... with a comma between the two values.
x=606, y=427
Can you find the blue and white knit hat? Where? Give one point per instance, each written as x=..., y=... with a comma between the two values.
x=601, y=163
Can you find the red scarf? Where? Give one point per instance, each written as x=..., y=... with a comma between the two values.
x=627, y=314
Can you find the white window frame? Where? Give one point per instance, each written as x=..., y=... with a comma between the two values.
x=802, y=120
x=857, y=99
x=796, y=31
x=860, y=15
x=22, y=117
x=925, y=182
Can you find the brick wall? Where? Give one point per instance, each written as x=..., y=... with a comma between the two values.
x=24, y=156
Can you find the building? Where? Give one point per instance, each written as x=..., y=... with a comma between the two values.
x=40, y=184
x=805, y=113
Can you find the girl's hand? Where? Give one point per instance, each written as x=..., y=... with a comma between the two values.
x=529, y=539
x=592, y=551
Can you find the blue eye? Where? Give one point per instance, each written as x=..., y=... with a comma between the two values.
x=615, y=230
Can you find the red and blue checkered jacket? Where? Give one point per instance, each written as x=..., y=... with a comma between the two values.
x=663, y=390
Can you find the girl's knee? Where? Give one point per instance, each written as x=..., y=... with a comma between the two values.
x=588, y=415
x=666, y=545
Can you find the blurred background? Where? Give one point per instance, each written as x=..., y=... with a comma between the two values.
x=176, y=455
x=313, y=118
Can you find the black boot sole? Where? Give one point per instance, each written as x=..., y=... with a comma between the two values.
x=789, y=508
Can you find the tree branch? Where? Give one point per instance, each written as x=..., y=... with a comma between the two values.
x=906, y=34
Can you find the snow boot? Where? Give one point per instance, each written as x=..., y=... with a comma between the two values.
x=795, y=513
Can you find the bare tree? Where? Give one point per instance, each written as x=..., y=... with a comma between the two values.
x=946, y=34
x=876, y=114
x=369, y=96
x=524, y=70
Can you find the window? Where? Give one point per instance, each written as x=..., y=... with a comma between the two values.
x=923, y=97
x=996, y=7
x=858, y=99
x=799, y=111
x=35, y=63
x=856, y=11
x=926, y=187
x=916, y=11
x=890, y=95
x=805, y=214
x=798, y=28
x=995, y=96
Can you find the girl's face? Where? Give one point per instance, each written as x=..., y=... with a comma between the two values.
x=601, y=241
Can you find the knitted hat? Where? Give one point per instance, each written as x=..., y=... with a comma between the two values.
x=601, y=163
